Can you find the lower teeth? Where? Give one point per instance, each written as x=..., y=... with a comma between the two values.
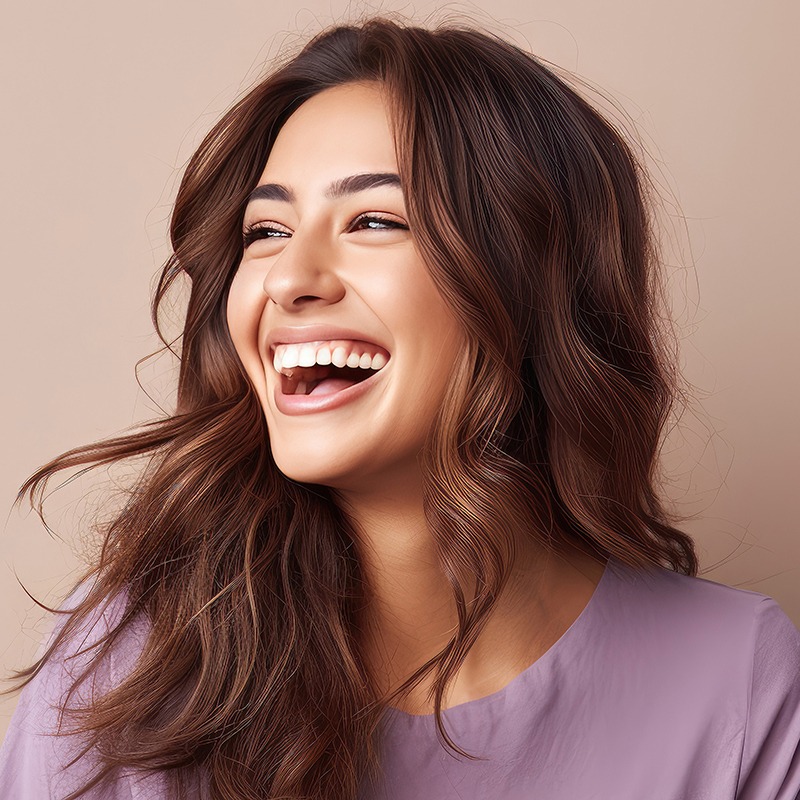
x=337, y=383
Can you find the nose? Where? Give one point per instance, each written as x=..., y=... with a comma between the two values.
x=304, y=273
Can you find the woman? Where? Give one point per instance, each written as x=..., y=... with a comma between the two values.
x=409, y=491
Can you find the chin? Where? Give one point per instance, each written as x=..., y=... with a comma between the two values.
x=310, y=469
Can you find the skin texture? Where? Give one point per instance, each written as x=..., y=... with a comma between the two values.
x=321, y=268
x=324, y=267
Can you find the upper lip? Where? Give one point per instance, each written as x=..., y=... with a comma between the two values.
x=316, y=333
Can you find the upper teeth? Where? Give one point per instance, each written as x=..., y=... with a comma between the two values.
x=340, y=353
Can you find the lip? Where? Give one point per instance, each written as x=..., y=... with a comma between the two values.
x=316, y=333
x=297, y=404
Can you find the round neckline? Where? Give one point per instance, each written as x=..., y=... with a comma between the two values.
x=527, y=673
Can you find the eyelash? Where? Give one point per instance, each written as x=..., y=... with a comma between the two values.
x=258, y=230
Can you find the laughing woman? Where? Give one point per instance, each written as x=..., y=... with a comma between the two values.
x=402, y=537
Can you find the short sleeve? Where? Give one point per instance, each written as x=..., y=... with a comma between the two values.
x=34, y=763
x=771, y=754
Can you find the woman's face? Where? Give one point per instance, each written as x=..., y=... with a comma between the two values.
x=330, y=276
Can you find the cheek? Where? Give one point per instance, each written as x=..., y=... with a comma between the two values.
x=428, y=313
x=244, y=310
x=424, y=304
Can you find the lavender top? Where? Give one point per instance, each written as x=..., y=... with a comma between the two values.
x=665, y=687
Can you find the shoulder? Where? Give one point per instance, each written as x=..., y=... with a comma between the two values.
x=771, y=752
x=717, y=658
x=39, y=757
x=82, y=647
x=694, y=611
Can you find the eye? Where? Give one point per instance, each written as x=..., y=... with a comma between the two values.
x=260, y=230
x=266, y=230
x=369, y=221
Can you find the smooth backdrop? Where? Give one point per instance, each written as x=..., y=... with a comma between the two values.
x=103, y=102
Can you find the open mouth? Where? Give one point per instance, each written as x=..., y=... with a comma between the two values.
x=322, y=379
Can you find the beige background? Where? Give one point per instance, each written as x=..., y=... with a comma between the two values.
x=104, y=101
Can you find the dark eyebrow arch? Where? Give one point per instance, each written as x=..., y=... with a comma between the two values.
x=339, y=188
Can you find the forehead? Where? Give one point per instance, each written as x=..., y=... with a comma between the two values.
x=337, y=131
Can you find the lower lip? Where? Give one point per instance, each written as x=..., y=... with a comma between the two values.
x=295, y=404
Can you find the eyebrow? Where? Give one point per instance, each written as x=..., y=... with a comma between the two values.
x=338, y=188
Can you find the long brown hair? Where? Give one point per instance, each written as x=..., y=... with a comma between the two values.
x=534, y=217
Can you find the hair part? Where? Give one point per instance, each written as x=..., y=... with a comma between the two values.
x=530, y=211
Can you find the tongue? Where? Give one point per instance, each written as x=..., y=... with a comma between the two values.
x=331, y=385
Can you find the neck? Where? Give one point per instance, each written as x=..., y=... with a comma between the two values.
x=412, y=613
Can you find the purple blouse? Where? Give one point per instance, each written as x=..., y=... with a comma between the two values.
x=666, y=687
